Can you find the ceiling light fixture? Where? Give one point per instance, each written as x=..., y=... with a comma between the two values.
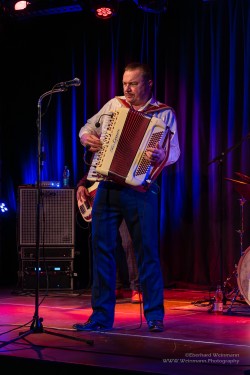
x=27, y=9
x=104, y=9
x=20, y=5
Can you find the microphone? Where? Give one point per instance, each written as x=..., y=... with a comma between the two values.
x=66, y=84
x=98, y=124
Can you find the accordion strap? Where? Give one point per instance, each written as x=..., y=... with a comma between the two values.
x=149, y=109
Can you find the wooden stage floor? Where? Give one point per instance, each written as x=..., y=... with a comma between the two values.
x=195, y=341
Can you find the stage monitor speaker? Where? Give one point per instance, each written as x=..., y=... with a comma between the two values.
x=57, y=217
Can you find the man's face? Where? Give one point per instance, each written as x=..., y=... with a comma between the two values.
x=136, y=89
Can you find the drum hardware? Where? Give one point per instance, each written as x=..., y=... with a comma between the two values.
x=236, y=285
x=243, y=177
x=242, y=187
x=232, y=291
x=220, y=159
x=243, y=275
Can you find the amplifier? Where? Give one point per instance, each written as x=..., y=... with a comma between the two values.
x=49, y=184
x=47, y=253
x=53, y=274
x=56, y=219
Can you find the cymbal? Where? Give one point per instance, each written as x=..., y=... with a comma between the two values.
x=241, y=187
x=243, y=177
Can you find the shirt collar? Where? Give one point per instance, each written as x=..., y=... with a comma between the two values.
x=151, y=101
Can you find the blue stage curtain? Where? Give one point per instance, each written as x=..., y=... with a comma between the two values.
x=200, y=55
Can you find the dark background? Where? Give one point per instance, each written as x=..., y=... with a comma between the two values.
x=200, y=56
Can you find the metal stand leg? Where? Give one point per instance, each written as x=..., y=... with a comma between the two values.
x=229, y=310
x=235, y=289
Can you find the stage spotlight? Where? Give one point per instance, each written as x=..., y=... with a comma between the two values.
x=20, y=5
x=104, y=9
x=3, y=208
x=27, y=9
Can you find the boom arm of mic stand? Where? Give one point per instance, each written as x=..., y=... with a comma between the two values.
x=39, y=128
x=221, y=156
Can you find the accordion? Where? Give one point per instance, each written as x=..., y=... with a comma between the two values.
x=126, y=136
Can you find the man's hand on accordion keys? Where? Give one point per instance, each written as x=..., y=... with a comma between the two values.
x=155, y=154
x=91, y=142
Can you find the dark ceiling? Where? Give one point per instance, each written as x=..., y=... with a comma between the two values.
x=50, y=7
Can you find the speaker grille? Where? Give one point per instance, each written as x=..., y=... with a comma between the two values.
x=57, y=216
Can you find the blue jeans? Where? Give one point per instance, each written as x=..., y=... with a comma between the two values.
x=127, y=275
x=112, y=203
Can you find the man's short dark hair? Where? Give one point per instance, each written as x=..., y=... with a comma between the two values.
x=145, y=68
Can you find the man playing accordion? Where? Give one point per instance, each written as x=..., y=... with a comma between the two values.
x=116, y=199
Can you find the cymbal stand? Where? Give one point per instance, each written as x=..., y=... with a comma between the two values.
x=236, y=290
x=242, y=201
x=220, y=158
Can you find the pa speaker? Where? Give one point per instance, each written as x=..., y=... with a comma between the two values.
x=56, y=217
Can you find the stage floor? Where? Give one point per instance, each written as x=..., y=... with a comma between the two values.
x=195, y=341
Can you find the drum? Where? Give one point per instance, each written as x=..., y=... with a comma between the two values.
x=243, y=275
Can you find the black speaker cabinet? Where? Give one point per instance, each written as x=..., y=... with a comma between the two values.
x=56, y=219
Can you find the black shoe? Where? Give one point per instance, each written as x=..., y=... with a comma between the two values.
x=91, y=325
x=155, y=326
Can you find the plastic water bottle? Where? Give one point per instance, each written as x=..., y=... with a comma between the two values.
x=66, y=175
x=218, y=301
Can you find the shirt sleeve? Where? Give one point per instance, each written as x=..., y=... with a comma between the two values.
x=174, y=152
x=83, y=181
x=169, y=118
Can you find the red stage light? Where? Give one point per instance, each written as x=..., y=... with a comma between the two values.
x=104, y=9
x=104, y=12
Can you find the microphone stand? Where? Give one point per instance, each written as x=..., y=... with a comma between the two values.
x=36, y=325
x=220, y=159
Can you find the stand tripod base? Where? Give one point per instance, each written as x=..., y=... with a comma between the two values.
x=37, y=327
x=232, y=292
